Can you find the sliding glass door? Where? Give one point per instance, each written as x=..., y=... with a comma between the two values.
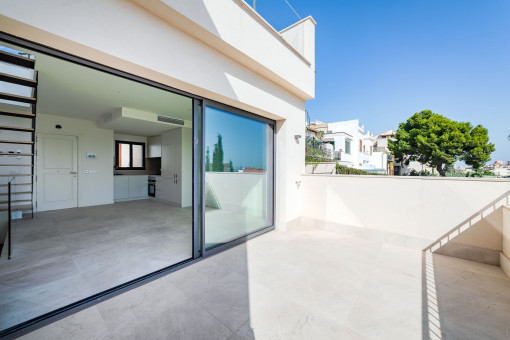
x=238, y=192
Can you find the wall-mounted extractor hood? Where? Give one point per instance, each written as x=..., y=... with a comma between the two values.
x=140, y=123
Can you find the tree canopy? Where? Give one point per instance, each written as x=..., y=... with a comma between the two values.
x=433, y=139
x=217, y=163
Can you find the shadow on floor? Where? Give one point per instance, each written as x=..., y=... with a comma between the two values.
x=463, y=299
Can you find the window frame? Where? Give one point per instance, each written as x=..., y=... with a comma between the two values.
x=206, y=252
x=131, y=167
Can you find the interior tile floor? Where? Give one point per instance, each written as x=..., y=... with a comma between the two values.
x=307, y=284
x=62, y=256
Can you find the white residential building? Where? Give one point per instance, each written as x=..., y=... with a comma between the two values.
x=354, y=147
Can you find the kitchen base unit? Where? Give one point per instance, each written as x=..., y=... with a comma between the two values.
x=128, y=188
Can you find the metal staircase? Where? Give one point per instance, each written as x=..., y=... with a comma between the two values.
x=18, y=97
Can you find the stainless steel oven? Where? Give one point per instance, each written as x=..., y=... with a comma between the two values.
x=152, y=186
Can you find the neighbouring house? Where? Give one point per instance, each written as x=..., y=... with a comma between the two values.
x=499, y=168
x=141, y=135
x=381, y=145
x=354, y=147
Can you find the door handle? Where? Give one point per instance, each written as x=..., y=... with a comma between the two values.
x=73, y=172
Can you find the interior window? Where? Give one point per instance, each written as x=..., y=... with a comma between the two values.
x=129, y=155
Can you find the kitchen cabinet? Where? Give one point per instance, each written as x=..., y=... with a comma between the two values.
x=127, y=188
x=120, y=187
x=176, y=166
x=154, y=146
x=159, y=187
x=171, y=153
x=138, y=186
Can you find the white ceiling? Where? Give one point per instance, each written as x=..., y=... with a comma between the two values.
x=70, y=90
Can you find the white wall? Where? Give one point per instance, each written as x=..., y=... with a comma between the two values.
x=237, y=30
x=183, y=48
x=419, y=208
x=93, y=188
x=505, y=255
x=249, y=195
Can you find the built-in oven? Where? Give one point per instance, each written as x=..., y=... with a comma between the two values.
x=152, y=186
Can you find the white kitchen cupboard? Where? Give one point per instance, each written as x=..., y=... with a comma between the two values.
x=175, y=191
x=138, y=186
x=127, y=188
x=120, y=187
x=154, y=147
x=171, y=153
x=176, y=166
x=164, y=187
x=159, y=187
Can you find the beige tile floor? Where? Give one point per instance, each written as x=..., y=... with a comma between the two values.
x=62, y=256
x=306, y=284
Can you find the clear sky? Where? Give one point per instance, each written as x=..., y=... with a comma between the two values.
x=244, y=140
x=383, y=60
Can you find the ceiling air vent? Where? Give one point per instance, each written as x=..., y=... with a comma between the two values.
x=107, y=117
x=171, y=120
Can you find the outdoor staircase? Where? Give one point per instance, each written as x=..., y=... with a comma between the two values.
x=18, y=98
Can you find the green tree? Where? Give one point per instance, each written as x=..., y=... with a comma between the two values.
x=207, y=160
x=433, y=139
x=314, y=155
x=231, y=167
x=217, y=164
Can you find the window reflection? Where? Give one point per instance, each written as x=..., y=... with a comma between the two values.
x=238, y=179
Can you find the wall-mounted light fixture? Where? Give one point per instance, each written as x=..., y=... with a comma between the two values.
x=297, y=137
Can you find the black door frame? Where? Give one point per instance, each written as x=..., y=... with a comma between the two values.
x=241, y=239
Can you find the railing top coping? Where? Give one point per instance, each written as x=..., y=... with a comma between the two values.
x=421, y=178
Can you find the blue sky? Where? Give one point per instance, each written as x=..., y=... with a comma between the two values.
x=244, y=140
x=383, y=60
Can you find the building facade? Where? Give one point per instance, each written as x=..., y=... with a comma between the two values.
x=139, y=113
x=354, y=147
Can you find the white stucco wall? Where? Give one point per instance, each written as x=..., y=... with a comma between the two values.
x=506, y=230
x=505, y=255
x=180, y=47
x=423, y=208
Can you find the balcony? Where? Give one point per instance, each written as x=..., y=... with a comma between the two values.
x=404, y=271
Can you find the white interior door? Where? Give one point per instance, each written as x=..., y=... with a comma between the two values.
x=57, y=164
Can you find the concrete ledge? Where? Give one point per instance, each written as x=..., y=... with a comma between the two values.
x=504, y=263
x=402, y=240
x=470, y=253
x=416, y=178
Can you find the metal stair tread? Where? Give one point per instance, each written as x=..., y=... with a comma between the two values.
x=17, y=98
x=15, y=141
x=17, y=80
x=15, y=59
x=16, y=193
x=16, y=175
x=15, y=128
x=20, y=114
x=17, y=207
x=14, y=201
x=5, y=185
x=16, y=165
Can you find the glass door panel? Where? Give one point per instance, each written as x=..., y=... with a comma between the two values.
x=238, y=176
